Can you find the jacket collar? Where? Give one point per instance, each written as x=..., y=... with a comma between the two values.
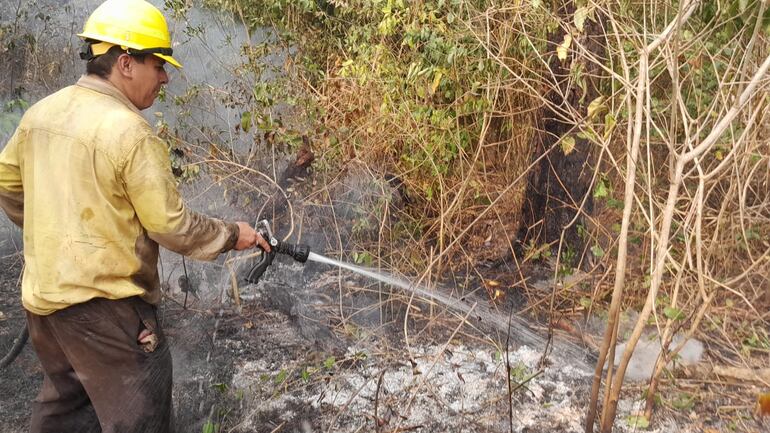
x=101, y=85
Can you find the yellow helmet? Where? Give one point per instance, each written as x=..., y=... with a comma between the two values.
x=136, y=25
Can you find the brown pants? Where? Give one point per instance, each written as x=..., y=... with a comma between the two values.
x=97, y=376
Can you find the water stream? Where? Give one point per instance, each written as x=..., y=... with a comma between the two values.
x=475, y=312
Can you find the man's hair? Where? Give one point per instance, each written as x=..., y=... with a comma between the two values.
x=102, y=65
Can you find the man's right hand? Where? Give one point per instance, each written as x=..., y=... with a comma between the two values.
x=249, y=238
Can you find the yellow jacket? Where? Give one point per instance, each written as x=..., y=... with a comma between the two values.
x=91, y=185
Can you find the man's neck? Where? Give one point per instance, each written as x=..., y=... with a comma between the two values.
x=115, y=88
x=117, y=83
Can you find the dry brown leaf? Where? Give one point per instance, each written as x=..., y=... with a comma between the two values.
x=763, y=405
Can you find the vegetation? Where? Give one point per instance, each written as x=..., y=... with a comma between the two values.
x=469, y=108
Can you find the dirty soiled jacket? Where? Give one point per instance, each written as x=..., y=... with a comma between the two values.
x=91, y=185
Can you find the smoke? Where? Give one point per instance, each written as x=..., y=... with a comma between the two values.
x=39, y=55
x=646, y=353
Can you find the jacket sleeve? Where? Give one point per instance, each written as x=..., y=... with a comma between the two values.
x=158, y=205
x=11, y=190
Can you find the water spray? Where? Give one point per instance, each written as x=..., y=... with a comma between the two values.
x=477, y=312
x=298, y=252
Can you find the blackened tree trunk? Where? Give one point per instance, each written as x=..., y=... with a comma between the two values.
x=560, y=187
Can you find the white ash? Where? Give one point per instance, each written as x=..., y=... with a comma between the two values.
x=445, y=384
x=249, y=372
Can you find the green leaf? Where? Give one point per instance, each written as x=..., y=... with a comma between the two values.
x=436, y=81
x=597, y=251
x=562, y=49
x=221, y=387
x=580, y=17
x=752, y=234
x=683, y=401
x=15, y=104
x=601, y=190
x=305, y=375
x=673, y=313
x=588, y=134
x=210, y=427
x=280, y=377
x=614, y=203
x=567, y=144
x=609, y=125
x=362, y=258
x=585, y=302
x=596, y=106
x=638, y=421
x=519, y=372
x=246, y=121
x=329, y=362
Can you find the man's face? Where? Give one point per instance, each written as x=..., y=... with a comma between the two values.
x=147, y=79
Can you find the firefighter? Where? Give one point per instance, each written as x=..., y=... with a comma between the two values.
x=90, y=183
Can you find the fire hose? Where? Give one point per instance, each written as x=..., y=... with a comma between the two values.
x=18, y=344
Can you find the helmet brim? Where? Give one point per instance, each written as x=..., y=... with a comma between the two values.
x=169, y=59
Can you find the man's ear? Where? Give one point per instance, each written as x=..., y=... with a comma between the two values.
x=124, y=65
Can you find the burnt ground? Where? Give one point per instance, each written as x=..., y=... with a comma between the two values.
x=207, y=344
x=330, y=352
x=315, y=349
x=18, y=383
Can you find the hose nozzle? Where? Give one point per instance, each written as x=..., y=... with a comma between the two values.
x=298, y=252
